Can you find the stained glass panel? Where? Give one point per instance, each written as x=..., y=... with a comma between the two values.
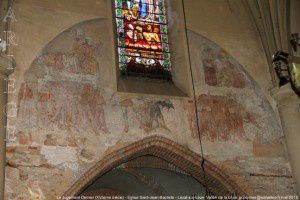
x=143, y=45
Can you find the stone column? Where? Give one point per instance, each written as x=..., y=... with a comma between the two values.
x=288, y=104
x=6, y=68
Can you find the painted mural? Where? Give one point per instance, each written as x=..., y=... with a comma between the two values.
x=67, y=120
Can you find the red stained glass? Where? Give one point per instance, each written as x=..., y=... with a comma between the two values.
x=143, y=46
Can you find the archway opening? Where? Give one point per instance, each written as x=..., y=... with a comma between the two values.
x=145, y=176
x=154, y=155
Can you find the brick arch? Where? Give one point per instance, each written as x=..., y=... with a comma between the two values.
x=215, y=180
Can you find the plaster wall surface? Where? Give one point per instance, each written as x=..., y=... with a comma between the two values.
x=69, y=114
x=229, y=24
x=290, y=113
x=38, y=22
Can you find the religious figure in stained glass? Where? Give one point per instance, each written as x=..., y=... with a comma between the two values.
x=143, y=47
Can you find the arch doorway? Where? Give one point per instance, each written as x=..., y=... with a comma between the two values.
x=142, y=180
x=153, y=164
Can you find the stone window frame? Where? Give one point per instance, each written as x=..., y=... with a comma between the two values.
x=181, y=85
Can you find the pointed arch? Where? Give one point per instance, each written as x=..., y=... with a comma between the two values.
x=215, y=180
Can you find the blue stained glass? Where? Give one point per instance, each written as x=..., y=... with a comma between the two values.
x=143, y=8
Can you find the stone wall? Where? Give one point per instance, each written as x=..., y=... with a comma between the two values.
x=69, y=115
x=68, y=118
x=235, y=115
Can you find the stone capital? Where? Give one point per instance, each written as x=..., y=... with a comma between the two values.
x=7, y=65
x=285, y=96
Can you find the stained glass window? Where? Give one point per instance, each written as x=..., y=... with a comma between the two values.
x=143, y=46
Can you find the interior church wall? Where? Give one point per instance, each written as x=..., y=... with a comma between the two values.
x=69, y=114
x=295, y=17
x=229, y=24
x=232, y=28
